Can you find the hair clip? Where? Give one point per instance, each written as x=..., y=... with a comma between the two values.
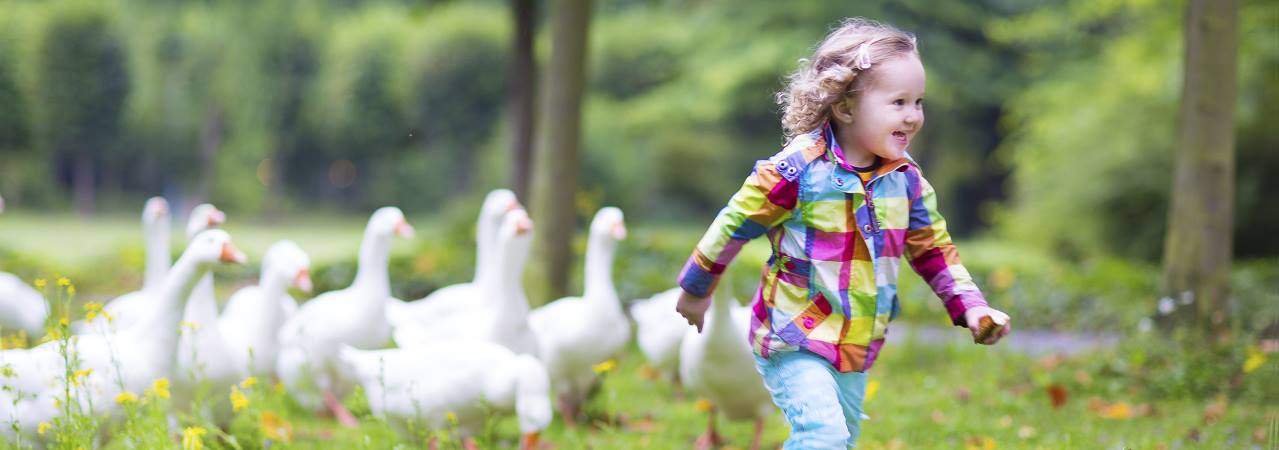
x=862, y=60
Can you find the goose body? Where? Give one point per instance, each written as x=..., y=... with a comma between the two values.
x=129, y=308
x=576, y=333
x=124, y=360
x=354, y=316
x=443, y=303
x=718, y=365
x=505, y=322
x=659, y=330
x=468, y=379
x=252, y=318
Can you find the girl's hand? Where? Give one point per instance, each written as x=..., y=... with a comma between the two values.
x=692, y=308
x=987, y=324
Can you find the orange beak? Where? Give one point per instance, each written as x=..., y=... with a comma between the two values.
x=303, y=281
x=523, y=226
x=230, y=254
x=217, y=217
x=404, y=230
x=529, y=441
x=619, y=230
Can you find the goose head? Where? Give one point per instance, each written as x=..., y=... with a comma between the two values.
x=156, y=209
x=532, y=399
x=608, y=224
x=212, y=247
x=498, y=202
x=287, y=263
x=514, y=237
x=203, y=217
x=389, y=220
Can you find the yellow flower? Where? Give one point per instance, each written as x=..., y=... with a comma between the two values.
x=64, y=322
x=452, y=418
x=1255, y=359
x=191, y=438
x=43, y=427
x=238, y=400
x=126, y=397
x=249, y=382
x=604, y=366
x=64, y=281
x=872, y=387
x=275, y=428
x=159, y=389
x=71, y=290
x=91, y=310
x=40, y=283
x=79, y=375
x=703, y=405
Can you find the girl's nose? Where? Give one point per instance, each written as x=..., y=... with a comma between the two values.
x=914, y=116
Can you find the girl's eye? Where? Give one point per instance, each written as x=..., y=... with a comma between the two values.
x=899, y=102
x=919, y=102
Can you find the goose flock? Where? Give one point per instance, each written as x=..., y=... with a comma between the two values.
x=449, y=359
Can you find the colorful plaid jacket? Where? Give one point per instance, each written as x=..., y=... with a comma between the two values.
x=822, y=291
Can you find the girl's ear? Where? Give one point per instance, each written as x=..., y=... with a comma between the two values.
x=842, y=111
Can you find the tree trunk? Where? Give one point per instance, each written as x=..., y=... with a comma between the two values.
x=523, y=78
x=210, y=142
x=558, y=156
x=82, y=174
x=1197, y=249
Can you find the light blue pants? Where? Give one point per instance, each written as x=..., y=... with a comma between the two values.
x=822, y=405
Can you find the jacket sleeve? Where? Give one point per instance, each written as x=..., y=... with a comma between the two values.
x=933, y=255
x=764, y=200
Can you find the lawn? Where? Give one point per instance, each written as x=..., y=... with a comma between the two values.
x=948, y=394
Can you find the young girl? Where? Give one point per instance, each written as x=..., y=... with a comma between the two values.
x=841, y=204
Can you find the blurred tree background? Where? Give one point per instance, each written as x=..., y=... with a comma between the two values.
x=1049, y=122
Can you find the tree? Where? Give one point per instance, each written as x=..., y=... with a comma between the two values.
x=82, y=88
x=1197, y=248
x=558, y=156
x=523, y=79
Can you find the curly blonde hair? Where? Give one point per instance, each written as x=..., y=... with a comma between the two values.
x=843, y=63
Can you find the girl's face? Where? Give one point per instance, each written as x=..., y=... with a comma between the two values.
x=888, y=112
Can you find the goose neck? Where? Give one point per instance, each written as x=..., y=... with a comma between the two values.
x=599, y=269
x=371, y=274
x=157, y=256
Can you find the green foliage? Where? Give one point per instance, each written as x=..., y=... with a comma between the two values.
x=1091, y=140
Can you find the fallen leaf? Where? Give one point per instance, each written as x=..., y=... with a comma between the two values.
x=938, y=417
x=1026, y=432
x=1083, y=377
x=1096, y=404
x=648, y=372
x=1193, y=434
x=980, y=443
x=963, y=395
x=703, y=405
x=1118, y=410
x=1051, y=362
x=1057, y=393
x=1214, y=411
x=1005, y=422
x=1259, y=435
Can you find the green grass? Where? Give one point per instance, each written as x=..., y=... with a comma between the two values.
x=941, y=396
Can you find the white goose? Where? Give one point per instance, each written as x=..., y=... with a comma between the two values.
x=468, y=379
x=252, y=318
x=575, y=333
x=718, y=364
x=355, y=316
x=21, y=307
x=504, y=317
x=659, y=331
x=204, y=355
x=447, y=300
x=126, y=360
x=127, y=309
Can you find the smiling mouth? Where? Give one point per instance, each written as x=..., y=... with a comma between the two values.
x=899, y=135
